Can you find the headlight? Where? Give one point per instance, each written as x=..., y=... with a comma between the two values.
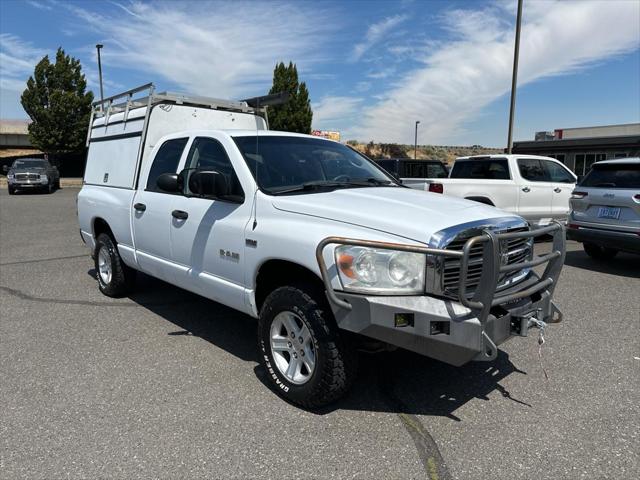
x=380, y=271
x=43, y=179
x=11, y=176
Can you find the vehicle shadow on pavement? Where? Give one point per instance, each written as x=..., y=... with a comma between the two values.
x=396, y=382
x=406, y=382
x=623, y=264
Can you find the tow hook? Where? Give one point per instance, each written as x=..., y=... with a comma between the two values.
x=540, y=325
x=520, y=325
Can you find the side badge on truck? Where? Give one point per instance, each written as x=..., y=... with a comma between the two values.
x=229, y=255
x=105, y=179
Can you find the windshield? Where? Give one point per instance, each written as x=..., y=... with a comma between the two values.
x=613, y=176
x=287, y=164
x=29, y=163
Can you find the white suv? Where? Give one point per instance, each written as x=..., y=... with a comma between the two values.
x=308, y=236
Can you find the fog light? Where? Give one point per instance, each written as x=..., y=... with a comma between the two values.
x=440, y=328
x=403, y=319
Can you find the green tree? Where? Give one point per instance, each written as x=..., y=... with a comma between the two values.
x=58, y=104
x=295, y=115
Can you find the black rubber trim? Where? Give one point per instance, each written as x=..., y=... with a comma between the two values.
x=115, y=137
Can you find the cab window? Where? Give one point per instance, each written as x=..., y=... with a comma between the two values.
x=208, y=154
x=557, y=173
x=488, y=169
x=166, y=161
x=532, y=169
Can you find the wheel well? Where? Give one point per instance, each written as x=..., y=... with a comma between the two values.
x=277, y=273
x=101, y=226
x=484, y=200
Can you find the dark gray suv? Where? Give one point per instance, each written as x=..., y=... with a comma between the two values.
x=32, y=173
x=605, y=209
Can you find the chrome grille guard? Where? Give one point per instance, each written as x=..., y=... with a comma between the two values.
x=484, y=297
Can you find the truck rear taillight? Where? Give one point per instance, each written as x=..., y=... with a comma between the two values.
x=436, y=188
x=578, y=195
x=572, y=226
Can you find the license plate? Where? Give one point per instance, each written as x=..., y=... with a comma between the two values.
x=609, y=212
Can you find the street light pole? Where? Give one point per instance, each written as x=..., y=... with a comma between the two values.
x=514, y=77
x=415, y=144
x=98, y=47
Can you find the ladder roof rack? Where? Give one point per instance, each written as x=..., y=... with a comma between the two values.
x=145, y=96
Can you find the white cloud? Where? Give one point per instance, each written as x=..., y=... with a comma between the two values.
x=220, y=49
x=375, y=33
x=17, y=60
x=39, y=5
x=473, y=68
x=335, y=112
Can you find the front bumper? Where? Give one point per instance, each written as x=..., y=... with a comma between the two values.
x=28, y=183
x=627, y=241
x=453, y=331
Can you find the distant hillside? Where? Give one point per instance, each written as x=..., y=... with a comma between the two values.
x=444, y=153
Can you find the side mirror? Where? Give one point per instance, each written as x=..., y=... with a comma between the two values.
x=208, y=183
x=168, y=182
x=5, y=168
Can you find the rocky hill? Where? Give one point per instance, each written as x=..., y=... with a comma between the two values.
x=444, y=153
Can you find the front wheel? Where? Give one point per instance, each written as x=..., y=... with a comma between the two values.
x=115, y=279
x=599, y=253
x=12, y=190
x=307, y=361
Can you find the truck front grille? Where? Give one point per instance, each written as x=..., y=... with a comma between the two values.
x=515, y=250
x=25, y=177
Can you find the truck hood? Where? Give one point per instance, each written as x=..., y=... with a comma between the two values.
x=404, y=212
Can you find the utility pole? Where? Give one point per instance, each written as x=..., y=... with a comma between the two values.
x=415, y=144
x=98, y=47
x=514, y=77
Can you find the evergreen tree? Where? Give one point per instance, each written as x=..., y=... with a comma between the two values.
x=58, y=104
x=295, y=115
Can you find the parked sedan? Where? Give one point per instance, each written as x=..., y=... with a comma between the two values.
x=605, y=209
x=32, y=173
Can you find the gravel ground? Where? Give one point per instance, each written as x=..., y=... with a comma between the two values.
x=165, y=384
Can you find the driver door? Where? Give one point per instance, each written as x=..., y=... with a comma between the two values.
x=207, y=234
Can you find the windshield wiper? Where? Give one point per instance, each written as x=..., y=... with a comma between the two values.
x=307, y=186
x=317, y=185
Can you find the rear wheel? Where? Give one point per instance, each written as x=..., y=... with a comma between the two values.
x=598, y=252
x=115, y=279
x=307, y=361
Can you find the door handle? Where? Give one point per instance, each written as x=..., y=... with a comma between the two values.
x=140, y=207
x=180, y=214
x=557, y=189
x=526, y=189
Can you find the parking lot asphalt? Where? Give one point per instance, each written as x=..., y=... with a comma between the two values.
x=165, y=384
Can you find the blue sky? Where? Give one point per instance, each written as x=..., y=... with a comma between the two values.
x=372, y=67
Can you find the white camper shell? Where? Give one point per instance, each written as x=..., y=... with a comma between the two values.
x=125, y=128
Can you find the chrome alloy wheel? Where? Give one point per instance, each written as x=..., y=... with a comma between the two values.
x=104, y=265
x=292, y=347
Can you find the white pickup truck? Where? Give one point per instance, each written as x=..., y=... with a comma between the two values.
x=536, y=188
x=319, y=244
